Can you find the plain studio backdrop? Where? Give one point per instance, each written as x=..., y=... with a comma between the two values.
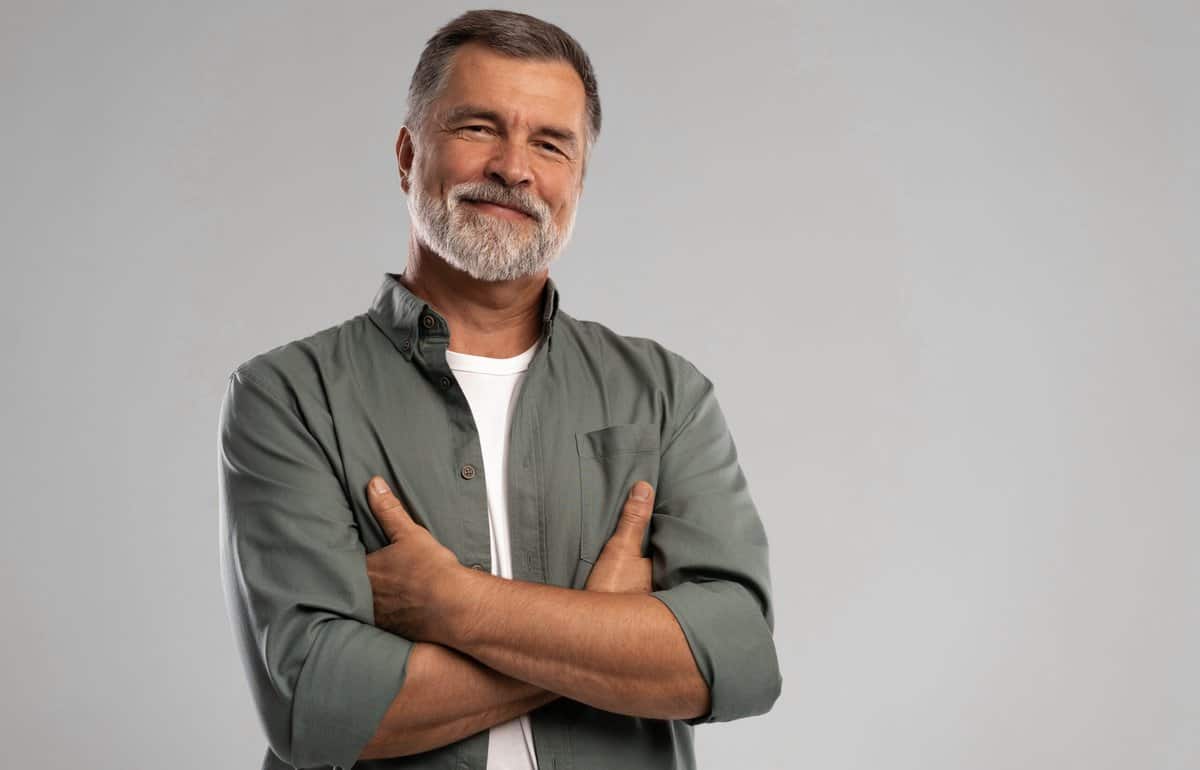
x=940, y=260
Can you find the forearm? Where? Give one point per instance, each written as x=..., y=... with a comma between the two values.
x=623, y=653
x=447, y=696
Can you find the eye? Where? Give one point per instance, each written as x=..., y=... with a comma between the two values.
x=475, y=128
x=551, y=147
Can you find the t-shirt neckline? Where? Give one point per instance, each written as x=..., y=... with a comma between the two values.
x=467, y=362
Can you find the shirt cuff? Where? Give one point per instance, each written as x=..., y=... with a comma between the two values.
x=351, y=675
x=732, y=645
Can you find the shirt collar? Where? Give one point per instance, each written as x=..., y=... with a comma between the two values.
x=406, y=318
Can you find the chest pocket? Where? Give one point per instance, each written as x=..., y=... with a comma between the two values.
x=610, y=460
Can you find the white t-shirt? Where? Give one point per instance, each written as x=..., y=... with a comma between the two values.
x=491, y=386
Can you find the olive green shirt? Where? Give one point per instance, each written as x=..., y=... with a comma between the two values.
x=304, y=426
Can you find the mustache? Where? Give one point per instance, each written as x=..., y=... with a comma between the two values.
x=501, y=197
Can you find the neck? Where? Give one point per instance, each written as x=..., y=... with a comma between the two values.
x=497, y=319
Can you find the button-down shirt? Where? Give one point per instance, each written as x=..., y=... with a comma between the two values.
x=305, y=425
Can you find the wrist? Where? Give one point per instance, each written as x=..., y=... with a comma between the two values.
x=459, y=598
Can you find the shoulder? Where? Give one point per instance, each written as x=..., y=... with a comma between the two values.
x=639, y=359
x=294, y=371
x=646, y=350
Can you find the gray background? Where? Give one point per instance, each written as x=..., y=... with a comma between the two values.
x=940, y=261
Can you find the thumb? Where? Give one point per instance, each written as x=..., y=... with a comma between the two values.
x=635, y=517
x=387, y=508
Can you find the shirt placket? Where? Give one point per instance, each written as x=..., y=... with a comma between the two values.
x=465, y=473
x=527, y=517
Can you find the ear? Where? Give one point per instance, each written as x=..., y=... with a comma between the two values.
x=583, y=169
x=404, y=156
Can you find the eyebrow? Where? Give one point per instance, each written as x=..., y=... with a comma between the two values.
x=464, y=111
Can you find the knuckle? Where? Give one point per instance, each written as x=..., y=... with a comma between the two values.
x=636, y=511
x=391, y=505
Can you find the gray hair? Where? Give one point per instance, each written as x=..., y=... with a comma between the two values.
x=508, y=32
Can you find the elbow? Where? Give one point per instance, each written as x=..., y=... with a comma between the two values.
x=280, y=744
x=701, y=702
x=732, y=642
x=771, y=684
x=776, y=691
x=749, y=688
x=271, y=685
x=321, y=694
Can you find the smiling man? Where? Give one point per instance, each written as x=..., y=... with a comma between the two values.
x=464, y=529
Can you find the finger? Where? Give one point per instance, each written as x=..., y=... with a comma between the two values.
x=387, y=508
x=635, y=516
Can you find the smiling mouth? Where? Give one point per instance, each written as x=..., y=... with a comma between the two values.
x=484, y=204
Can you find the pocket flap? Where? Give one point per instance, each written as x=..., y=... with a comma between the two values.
x=618, y=439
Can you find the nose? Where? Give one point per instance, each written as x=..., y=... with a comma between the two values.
x=509, y=164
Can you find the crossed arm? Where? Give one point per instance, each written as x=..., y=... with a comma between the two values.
x=448, y=695
x=322, y=665
x=491, y=649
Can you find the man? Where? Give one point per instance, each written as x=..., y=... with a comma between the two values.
x=435, y=516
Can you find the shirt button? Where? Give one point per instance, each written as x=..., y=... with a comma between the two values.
x=428, y=322
x=405, y=344
x=468, y=471
x=477, y=566
x=445, y=382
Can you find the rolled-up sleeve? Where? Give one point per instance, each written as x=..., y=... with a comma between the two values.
x=709, y=551
x=293, y=569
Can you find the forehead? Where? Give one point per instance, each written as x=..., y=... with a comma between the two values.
x=522, y=90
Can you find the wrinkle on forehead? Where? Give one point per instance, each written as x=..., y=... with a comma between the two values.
x=529, y=93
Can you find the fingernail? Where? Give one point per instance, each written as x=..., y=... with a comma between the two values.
x=380, y=486
x=641, y=491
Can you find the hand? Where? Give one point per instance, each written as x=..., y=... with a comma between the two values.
x=621, y=568
x=411, y=576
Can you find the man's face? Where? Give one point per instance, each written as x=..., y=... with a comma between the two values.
x=495, y=174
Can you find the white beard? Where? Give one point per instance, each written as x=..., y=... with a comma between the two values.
x=486, y=247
